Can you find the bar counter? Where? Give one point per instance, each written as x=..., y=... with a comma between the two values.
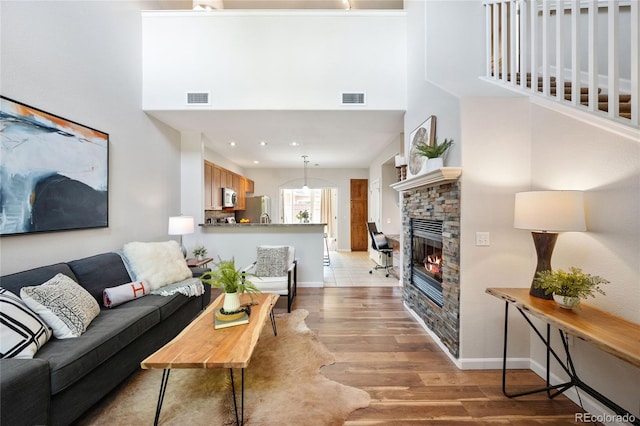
x=240, y=241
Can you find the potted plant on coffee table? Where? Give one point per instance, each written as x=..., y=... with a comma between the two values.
x=435, y=153
x=231, y=281
x=569, y=288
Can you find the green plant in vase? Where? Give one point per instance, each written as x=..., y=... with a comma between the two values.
x=569, y=288
x=437, y=150
x=303, y=216
x=231, y=281
x=200, y=252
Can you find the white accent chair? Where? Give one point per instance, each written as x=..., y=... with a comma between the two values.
x=279, y=261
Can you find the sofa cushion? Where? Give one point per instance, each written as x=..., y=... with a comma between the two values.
x=63, y=304
x=113, y=329
x=36, y=276
x=22, y=332
x=167, y=305
x=98, y=272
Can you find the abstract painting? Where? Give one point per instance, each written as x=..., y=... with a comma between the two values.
x=54, y=173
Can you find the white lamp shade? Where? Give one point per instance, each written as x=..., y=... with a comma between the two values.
x=400, y=161
x=180, y=225
x=553, y=211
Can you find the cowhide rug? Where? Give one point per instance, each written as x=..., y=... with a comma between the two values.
x=283, y=386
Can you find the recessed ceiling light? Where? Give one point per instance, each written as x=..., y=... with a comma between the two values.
x=294, y=144
x=232, y=143
x=256, y=162
x=263, y=143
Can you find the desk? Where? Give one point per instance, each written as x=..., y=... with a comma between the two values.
x=610, y=333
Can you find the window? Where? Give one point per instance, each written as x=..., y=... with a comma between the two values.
x=299, y=200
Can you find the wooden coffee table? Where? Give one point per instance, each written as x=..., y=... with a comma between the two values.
x=199, y=345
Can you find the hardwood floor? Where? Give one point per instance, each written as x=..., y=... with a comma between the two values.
x=380, y=348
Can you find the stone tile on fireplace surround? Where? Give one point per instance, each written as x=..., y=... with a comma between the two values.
x=438, y=203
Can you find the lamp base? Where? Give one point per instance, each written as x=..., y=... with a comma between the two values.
x=544, y=242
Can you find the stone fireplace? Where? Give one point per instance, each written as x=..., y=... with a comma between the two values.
x=431, y=254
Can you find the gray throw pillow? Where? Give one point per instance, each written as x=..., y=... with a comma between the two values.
x=272, y=261
x=63, y=304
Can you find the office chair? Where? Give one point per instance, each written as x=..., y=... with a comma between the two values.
x=380, y=244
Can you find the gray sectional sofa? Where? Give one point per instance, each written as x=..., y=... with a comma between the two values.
x=67, y=376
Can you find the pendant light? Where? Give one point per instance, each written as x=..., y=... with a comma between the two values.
x=305, y=187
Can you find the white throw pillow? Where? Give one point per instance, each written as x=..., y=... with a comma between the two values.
x=63, y=304
x=22, y=332
x=158, y=264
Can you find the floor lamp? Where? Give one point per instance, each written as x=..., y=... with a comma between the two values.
x=181, y=225
x=545, y=213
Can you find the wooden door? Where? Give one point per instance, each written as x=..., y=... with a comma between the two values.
x=359, y=203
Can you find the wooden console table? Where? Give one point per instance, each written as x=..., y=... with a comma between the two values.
x=610, y=333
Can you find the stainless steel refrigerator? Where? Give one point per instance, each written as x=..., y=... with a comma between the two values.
x=258, y=210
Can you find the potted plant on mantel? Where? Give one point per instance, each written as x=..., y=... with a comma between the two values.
x=569, y=287
x=232, y=281
x=435, y=153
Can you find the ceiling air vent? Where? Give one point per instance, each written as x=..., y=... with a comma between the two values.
x=198, y=98
x=353, y=99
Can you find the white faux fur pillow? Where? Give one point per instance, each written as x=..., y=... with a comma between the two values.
x=158, y=264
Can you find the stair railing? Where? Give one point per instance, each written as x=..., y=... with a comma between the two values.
x=584, y=53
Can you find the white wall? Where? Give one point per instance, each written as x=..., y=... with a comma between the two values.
x=83, y=61
x=570, y=154
x=383, y=170
x=239, y=57
x=496, y=164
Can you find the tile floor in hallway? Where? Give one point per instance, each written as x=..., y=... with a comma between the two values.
x=351, y=269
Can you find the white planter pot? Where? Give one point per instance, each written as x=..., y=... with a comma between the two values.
x=567, y=302
x=231, y=302
x=434, y=164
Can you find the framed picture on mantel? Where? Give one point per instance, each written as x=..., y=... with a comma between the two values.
x=54, y=173
x=424, y=134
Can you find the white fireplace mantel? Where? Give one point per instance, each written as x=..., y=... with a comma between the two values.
x=433, y=178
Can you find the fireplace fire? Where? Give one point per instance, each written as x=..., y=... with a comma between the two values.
x=426, y=255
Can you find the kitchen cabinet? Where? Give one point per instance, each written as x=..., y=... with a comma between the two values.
x=239, y=187
x=216, y=189
x=248, y=186
x=208, y=186
x=216, y=178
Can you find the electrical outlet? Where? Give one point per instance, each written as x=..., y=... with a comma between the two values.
x=483, y=239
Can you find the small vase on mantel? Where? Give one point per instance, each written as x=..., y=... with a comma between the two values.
x=231, y=302
x=434, y=164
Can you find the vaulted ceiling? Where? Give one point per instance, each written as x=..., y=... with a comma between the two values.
x=278, y=139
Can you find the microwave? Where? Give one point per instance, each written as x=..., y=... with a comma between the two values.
x=228, y=197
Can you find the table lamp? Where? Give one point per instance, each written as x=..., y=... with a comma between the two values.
x=181, y=225
x=546, y=213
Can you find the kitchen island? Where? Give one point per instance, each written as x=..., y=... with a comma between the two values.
x=240, y=240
